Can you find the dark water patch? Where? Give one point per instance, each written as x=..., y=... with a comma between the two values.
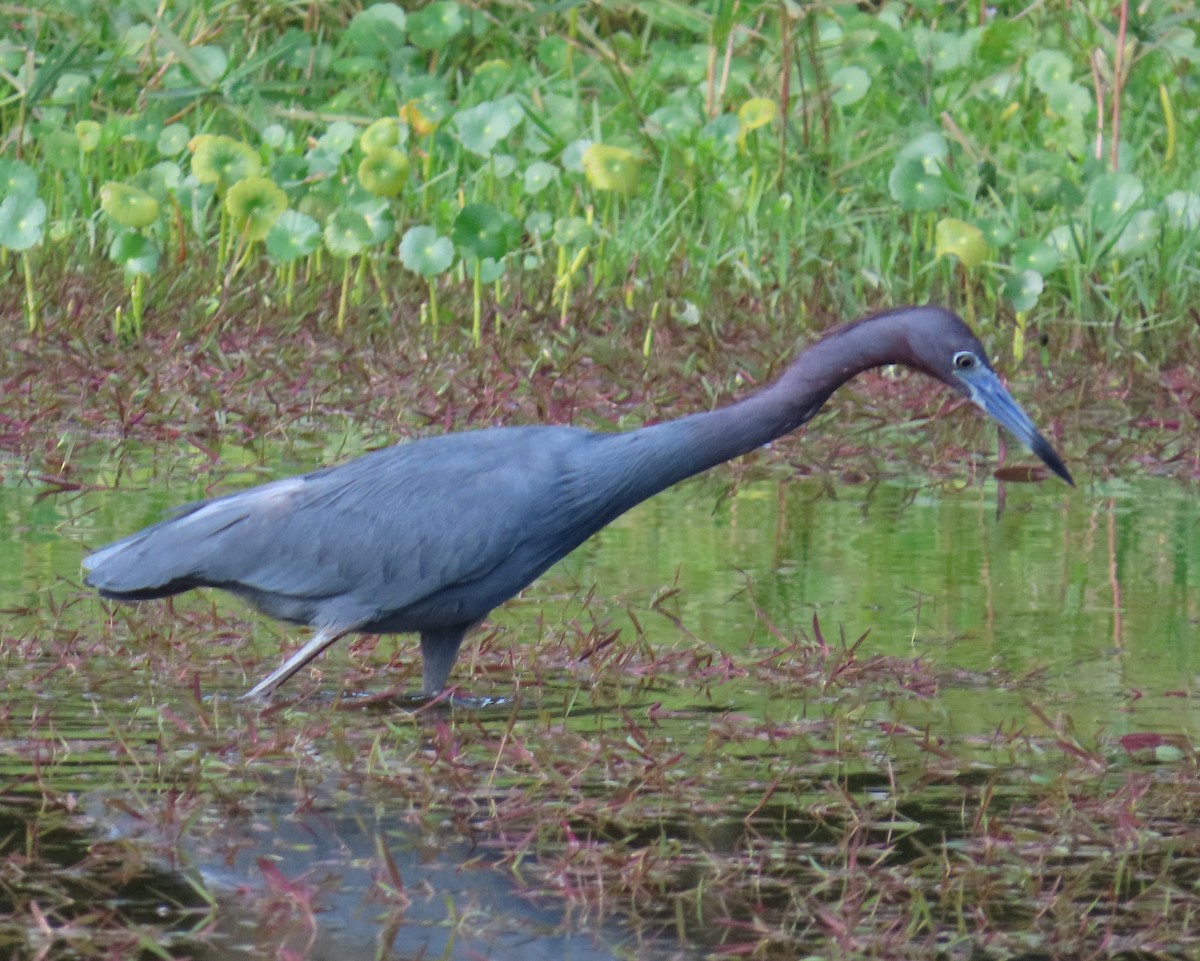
x=346, y=877
x=64, y=892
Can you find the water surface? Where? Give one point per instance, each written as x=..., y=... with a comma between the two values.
x=1084, y=601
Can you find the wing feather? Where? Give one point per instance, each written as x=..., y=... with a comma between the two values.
x=379, y=534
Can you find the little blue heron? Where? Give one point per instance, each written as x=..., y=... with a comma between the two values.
x=429, y=536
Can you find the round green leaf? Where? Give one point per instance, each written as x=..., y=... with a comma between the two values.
x=930, y=148
x=1023, y=289
x=491, y=270
x=1048, y=67
x=1138, y=236
x=275, y=136
x=289, y=170
x=355, y=67
x=378, y=217
x=17, y=178
x=1001, y=85
x=432, y=27
x=165, y=176
x=539, y=223
x=948, y=51
x=538, y=176
x=322, y=163
x=161, y=179
x=483, y=126
x=1041, y=188
x=347, y=233
x=128, y=206
x=292, y=236
x=1112, y=197
x=572, y=155
x=913, y=189
x=674, y=121
x=503, y=164
x=210, y=63
x=339, y=137
x=377, y=31
x=173, y=140
x=572, y=232
x=423, y=252
x=22, y=218
x=490, y=77
x=1066, y=240
x=134, y=252
x=60, y=149
x=71, y=87
x=1036, y=256
x=720, y=135
x=320, y=202
x=998, y=233
x=1183, y=209
x=484, y=231
x=1070, y=101
x=850, y=85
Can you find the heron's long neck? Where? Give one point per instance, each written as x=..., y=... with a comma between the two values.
x=667, y=453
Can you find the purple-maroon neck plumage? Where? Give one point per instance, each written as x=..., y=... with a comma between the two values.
x=924, y=338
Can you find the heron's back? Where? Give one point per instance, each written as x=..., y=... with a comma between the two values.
x=425, y=534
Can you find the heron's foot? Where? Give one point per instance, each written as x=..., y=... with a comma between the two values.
x=457, y=698
x=419, y=701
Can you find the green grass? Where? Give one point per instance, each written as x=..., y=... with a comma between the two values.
x=449, y=253
x=626, y=157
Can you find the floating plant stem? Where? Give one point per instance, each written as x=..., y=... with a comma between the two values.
x=341, y=314
x=137, y=299
x=380, y=286
x=32, y=317
x=433, y=306
x=477, y=302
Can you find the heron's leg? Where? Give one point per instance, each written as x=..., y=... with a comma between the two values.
x=438, y=651
x=321, y=640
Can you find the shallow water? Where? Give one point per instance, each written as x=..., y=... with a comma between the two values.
x=1087, y=601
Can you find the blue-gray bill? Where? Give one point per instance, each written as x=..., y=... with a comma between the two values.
x=986, y=391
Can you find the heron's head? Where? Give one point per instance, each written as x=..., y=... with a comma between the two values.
x=941, y=345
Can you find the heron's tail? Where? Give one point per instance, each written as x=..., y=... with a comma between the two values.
x=163, y=559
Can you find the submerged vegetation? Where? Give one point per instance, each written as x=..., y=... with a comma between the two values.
x=279, y=233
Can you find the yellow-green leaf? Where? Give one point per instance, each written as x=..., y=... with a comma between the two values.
x=222, y=160
x=88, y=132
x=128, y=206
x=960, y=239
x=384, y=132
x=611, y=168
x=757, y=112
x=383, y=171
x=254, y=204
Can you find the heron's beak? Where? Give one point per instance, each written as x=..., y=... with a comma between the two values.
x=986, y=391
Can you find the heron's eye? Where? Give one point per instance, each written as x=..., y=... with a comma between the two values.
x=964, y=360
